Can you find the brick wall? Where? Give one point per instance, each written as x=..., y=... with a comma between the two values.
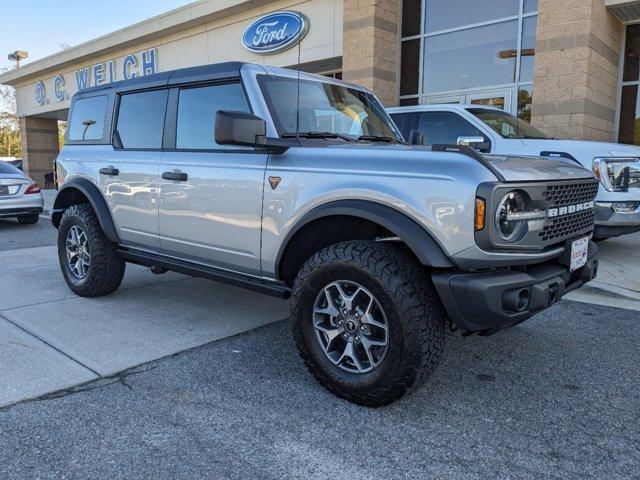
x=39, y=139
x=370, y=46
x=576, y=69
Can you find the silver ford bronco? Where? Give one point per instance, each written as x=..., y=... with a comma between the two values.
x=299, y=185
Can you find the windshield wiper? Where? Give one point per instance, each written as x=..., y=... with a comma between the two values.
x=317, y=135
x=380, y=138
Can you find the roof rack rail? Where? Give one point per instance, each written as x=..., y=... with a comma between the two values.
x=469, y=152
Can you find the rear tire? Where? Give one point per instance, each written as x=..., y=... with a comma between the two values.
x=406, y=303
x=90, y=262
x=29, y=219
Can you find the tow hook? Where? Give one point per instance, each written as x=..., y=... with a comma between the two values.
x=157, y=270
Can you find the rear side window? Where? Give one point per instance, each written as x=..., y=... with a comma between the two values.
x=197, y=109
x=87, y=118
x=140, y=121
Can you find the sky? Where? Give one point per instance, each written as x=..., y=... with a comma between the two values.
x=40, y=27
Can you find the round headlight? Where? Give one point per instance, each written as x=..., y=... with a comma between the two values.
x=511, y=229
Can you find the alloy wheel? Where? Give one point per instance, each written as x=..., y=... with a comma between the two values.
x=351, y=326
x=78, y=252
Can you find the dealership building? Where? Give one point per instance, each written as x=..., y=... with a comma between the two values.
x=571, y=67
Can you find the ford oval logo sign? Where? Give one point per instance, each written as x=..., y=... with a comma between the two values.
x=275, y=32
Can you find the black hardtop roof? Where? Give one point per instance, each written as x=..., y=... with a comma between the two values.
x=201, y=73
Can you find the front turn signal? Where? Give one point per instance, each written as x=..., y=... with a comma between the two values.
x=481, y=211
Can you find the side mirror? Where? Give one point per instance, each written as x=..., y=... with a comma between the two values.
x=417, y=138
x=475, y=142
x=239, y=128
x=470, y=141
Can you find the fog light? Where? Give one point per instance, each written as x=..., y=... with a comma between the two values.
x=625, y=207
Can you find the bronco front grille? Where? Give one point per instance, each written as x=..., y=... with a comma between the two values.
x=568, y=225
x=567, y=194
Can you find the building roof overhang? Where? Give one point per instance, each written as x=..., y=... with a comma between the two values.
x=624, y=10
x=191, y=15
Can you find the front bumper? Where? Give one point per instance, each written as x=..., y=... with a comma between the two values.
x=490, y=301
x=12, y=206
x=612, y=223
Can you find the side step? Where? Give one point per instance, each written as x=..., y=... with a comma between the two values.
x=250, y=282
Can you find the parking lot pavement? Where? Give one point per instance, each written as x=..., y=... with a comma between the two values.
x=556, y=397
x=149, y=317
x=15, y=236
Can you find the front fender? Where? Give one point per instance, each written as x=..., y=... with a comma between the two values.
x=423, y=245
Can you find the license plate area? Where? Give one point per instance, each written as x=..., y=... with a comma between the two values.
x=579, y=253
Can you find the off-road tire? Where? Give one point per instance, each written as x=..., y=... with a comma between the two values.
x=28, y=219
x=106, y=269
x=415, y=317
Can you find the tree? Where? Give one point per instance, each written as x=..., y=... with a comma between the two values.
x=9, y=122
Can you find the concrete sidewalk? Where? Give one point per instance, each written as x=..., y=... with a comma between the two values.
x=51, y=339
x=618, y=281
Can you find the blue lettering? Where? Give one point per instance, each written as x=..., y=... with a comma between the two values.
x=149, y=62
x=111, y=66
x=41, y=93
x=98, y=73
x=129, y=61
x=59, y=91
x=82, y=78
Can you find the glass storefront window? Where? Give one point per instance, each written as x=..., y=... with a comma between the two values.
x=410, y=67
x=475, y=57
x=469, y=52
x=524, y=102
x=528, y=49
x=629, y=131
x=446, y=14
x=632, y=55
x=411, y=17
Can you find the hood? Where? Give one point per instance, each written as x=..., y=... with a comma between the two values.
x=584, y=151
x=512, y=168
x=523, y=168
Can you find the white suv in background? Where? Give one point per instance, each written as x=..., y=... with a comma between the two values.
x=491, y=130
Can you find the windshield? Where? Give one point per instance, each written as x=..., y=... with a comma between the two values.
x=325, y=108
x=507, y=125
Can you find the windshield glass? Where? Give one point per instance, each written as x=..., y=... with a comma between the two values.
x=507, y=125
x=326, y=108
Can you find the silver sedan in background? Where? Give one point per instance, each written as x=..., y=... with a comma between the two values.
x=20, y=197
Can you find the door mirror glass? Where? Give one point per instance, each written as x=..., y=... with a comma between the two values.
x=239, y=128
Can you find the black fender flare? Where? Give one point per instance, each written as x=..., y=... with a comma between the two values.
x=97, y=201
x=417, y=238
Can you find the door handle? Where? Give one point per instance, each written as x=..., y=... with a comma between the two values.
x=111, y=171
x=178, y=176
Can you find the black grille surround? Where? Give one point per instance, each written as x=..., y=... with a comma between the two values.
x=548, y=233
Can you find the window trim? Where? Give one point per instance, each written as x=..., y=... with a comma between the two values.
x=116, y=116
